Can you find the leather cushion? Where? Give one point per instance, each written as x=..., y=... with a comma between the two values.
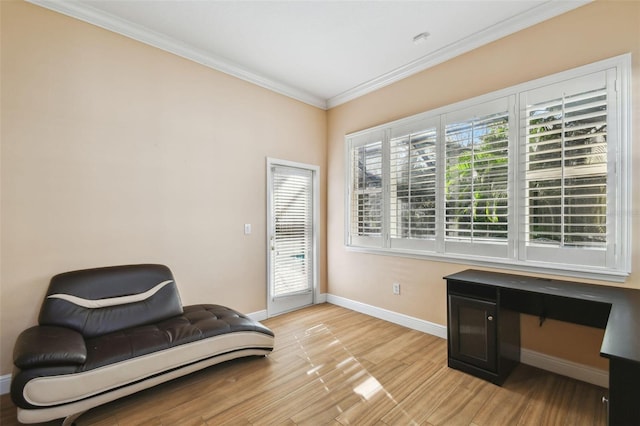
x=43, y=346
x=116, y=283
x=197, y=322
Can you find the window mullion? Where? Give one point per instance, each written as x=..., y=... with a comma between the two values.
x=386, y=189
x=472, y=207
x=562, y=172
x=514, y=186
x=410, y=177
x=441, y=198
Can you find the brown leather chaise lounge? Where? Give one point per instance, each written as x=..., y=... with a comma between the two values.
x=106, y=333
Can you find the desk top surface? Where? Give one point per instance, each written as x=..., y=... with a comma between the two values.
x=622, y=332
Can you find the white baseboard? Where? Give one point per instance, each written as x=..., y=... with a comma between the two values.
x=394, y=317
x=556, y=365
x=5, y=384
x=259, y=315
x=262, y=315
x=563, y=367
x=322, y=298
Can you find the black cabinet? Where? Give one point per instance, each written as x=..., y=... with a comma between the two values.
x=490, y=348
x=483, y=339
x=473, y=331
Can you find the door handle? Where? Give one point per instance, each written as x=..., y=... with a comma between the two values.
x=490, y=318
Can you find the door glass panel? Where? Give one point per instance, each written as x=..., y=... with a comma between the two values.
x=293, y=233
x=473, y=332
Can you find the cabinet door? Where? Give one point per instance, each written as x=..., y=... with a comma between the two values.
x=472, y=331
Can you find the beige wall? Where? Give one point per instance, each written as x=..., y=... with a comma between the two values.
x=597, y=31
x=114, y=152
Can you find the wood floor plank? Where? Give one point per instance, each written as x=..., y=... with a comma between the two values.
x=344, y=377
x=463, y=403
x=394, y=347
x=587, y=404
x=333, y=366
x=509, y=402
x=540, y=401
x=273, y=384
x=393, y=389
x=419, y=404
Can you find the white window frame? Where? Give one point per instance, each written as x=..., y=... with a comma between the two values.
x=513, y=256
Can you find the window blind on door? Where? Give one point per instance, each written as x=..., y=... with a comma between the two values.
x=292, y=242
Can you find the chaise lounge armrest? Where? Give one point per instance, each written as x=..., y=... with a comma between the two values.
x=49, y=346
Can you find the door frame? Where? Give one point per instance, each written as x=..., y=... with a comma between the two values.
x=315, y=171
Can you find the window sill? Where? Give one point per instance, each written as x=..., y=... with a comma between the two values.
x=599, y=274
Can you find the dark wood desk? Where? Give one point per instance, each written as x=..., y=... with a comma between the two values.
x=499, y=296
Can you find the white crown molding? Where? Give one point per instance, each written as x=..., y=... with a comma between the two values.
x=502, y=29
x=84, y=12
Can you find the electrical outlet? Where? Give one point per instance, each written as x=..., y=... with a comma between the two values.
x=396, y=288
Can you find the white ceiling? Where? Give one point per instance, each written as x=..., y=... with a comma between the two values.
x=320, y=52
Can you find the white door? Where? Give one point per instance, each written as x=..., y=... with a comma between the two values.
x=291, y=235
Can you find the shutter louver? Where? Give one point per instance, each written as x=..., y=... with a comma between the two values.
x=293, y=234
x=366, y=203
x=566, y=170
x=413, y=185
x=477, y=175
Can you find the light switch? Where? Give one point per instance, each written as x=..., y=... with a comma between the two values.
x=247, y=228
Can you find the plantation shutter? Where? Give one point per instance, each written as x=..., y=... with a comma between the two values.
x=366, y=204
x=536, y=176
x=477, y=179
x=413, y=205
x=566, y=170
x=293, y=234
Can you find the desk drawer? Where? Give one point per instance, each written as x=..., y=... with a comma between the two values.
x=473, y=290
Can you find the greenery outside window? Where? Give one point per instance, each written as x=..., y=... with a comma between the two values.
x=476, y=185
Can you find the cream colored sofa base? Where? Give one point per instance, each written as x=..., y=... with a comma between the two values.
x=83, y=391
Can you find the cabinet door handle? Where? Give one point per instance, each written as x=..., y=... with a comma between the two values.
x=490, y=318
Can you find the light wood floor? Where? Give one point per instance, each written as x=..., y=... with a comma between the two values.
x=335, y=366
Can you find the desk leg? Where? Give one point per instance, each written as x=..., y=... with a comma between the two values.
x=624, y=392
